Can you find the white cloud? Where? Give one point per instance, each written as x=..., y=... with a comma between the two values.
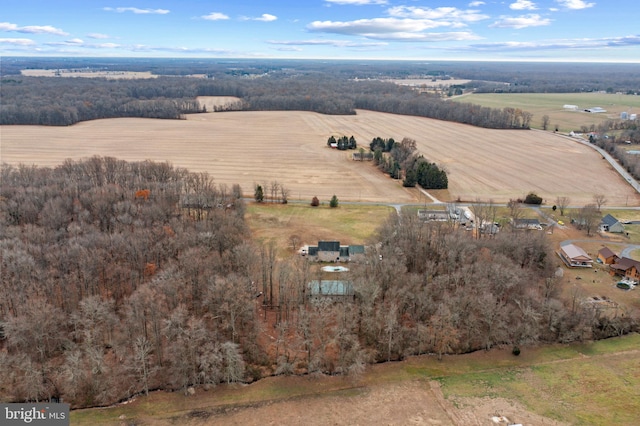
x=265, y=18
x=575, y=4
x=215, y=16
x=107, y=45
x=449, y=14
x=519, y=22
x=7, y=26
x=32, y=29
x=322, y=42
x=357, y=2
x=476, y=3
x=407, y=23
x=17, y=41
x=523, y=5
x=136, y=10
x=586, y=43
x=98, y=36
x=375, y=26
x=392, y=30
x=428, y=37
x=288, y=49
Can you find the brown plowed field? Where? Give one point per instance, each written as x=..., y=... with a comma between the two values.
x=290, y=147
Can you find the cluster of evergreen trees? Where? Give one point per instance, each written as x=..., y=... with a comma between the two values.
x=342, y=143
x=402, y=161
x=427, y=175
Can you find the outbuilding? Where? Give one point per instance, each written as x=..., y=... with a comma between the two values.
x=606, y=256
x=575, y=257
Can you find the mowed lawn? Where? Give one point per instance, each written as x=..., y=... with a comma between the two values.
x=289, y=147
x=349, y=224
x=551, y=104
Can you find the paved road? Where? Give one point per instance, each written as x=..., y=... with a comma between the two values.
x=634, y=184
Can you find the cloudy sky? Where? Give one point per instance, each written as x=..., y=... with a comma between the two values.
x=567, y=30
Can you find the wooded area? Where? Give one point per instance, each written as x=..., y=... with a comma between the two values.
x=65, y=101
x=118, y=278
x=303, y=86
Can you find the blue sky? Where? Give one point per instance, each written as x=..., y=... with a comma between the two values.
x=522, y=30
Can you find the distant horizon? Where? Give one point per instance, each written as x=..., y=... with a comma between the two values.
x=222, y=58
x=579, y=31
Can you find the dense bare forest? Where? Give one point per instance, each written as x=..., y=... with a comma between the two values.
x=334, y=87
x=64, y=101
x=118, y=278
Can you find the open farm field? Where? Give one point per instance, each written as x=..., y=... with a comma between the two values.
x=211, y=102
x=428, y=82
x=109, y=75
x=551, y=104
x=290, y=147
x=587, y=383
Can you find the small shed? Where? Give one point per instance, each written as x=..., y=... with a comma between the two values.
x=606, y=256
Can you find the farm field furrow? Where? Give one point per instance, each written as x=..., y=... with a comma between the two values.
x=290, y=146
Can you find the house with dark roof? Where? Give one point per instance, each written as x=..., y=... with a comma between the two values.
x=332, y=251
x=611, y=224
x=606, y=256
x=575, y=257
x=626, y=267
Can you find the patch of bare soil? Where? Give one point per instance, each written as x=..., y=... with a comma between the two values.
x=405, y=403
x=498, y=411
x=410, y=403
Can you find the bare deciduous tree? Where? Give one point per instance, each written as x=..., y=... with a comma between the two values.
x=588, y=218
x=562, y=203
x=600, y=200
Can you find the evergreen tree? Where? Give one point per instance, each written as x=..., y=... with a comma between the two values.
x=352, y=143
x=334, y=201
x=259, y=194
x=410, y=178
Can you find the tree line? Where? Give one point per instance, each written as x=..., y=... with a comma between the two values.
x=64, y=101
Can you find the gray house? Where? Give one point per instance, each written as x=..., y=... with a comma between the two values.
x=611, y=224
x=332, y=251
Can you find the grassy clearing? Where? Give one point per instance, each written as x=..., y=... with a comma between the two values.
x=552, y=104
x=592, y=383
x=349, y=224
